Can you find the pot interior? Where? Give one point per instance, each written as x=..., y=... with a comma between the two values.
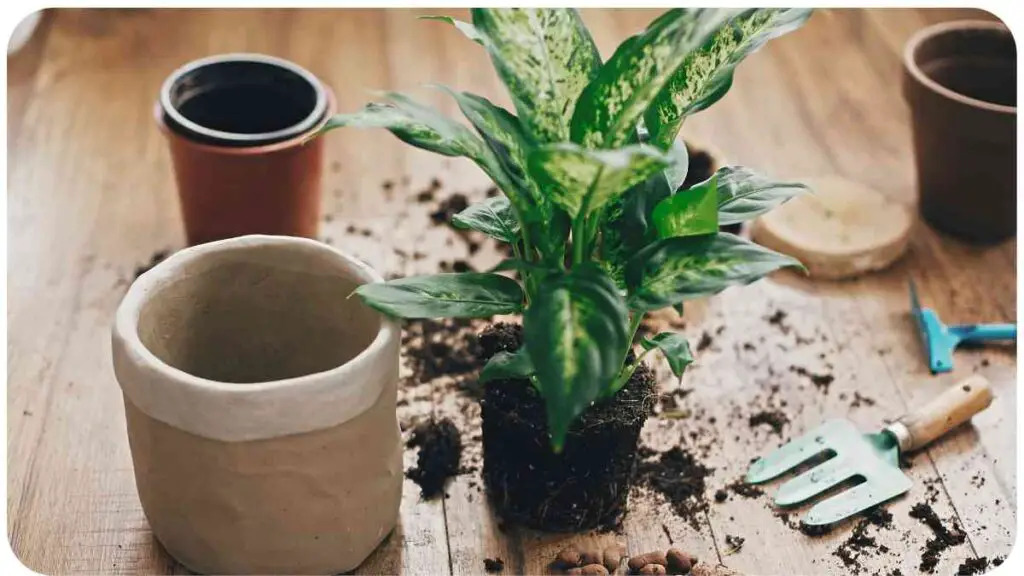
x=242, y=100
x=979, y=63
x=258, y=314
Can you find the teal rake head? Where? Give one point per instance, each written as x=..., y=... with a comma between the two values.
x=939, y=340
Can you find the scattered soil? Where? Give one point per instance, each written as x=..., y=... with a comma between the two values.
x=746, y=490
x=586, y=485
x=777, y=319
x=721, y=495
x=427, y=194
x=735, y=543
x=943, y=537
x=775, y=419
x=859, y=543
x=494, y=565
x=447, y=347
x=678, y=476
x=438, y=460
x=973, y=566
x=154, y=259
x=820, y=381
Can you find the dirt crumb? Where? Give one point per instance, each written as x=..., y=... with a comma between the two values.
x=494, y=565
x=438, y=460
x=154, y=259
x=775, y=419
x=448, y=208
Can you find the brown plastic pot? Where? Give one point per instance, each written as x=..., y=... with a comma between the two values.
x=960, y=82
x=238, y=127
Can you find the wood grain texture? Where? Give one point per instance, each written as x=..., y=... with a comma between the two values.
x=90, y=197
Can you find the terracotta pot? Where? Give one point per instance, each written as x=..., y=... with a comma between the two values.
x=960, y=82
x=238, y=126
x=260, y=407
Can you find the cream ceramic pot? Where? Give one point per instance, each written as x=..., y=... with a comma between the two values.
x=260, y=404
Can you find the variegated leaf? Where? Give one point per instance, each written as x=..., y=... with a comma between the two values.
x=690, y=212
x=744, y=194
x=467, y=295
x=545, y=56
x=676, y=269
x=415, y=124
x=585, y=180
x=612, y=105
x=576, y=334
x=494, y=217
x=706, y=75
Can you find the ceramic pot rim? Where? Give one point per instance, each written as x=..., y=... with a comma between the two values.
x=921, y=36
x=224, y=411
x=239, y=139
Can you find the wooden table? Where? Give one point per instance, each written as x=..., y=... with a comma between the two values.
x=91, y=197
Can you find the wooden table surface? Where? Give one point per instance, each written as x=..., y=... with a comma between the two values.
x=90, y=197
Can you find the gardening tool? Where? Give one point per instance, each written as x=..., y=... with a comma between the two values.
x=940, y=340
x=875, y=458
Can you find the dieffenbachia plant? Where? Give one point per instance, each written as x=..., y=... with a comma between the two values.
x=591, y=169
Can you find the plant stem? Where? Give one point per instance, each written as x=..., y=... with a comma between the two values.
x=634, y=325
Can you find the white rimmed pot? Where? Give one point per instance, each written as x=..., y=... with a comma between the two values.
x=260, y=406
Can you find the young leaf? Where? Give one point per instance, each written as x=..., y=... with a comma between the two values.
x=676, y=269
x=507, y=366
x=706, y=75
x=580, y=179
x=467, y=295
x=545, y=57
x=611, y=106
x=467, y=29
x=689, y=212
x=415, y=124
x=494, y=217
x=575, y=332
x=676, y=173
x=744, y=194
x=674, y=347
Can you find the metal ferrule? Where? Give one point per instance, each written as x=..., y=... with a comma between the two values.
x=902, y=434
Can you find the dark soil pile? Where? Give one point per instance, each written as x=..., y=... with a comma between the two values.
x=678, y=476
x=820, y=381
x=586, y=485
x=438, y=460
x=943, y=537
x=735, y=543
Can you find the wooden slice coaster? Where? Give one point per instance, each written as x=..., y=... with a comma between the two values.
x=842, y=229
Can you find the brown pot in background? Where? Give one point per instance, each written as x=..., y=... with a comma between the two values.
x=237, y=126
x=960, y=82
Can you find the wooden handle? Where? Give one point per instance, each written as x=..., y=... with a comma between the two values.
x=951, y=409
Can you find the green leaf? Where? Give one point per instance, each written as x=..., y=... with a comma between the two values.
x=576, y=334
x=585, y=180
x=545, y=57
x=690, y=212
x=706, y=75
x=743, y=194
x=676, y=173
x=494, y=217
x=466, y=28
x=415, y=124
x=612, y=105
x=504, y=135
x=507, y=366
x=674, y=347
x=521, y=265
x=467, y=295
x=677, y=269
